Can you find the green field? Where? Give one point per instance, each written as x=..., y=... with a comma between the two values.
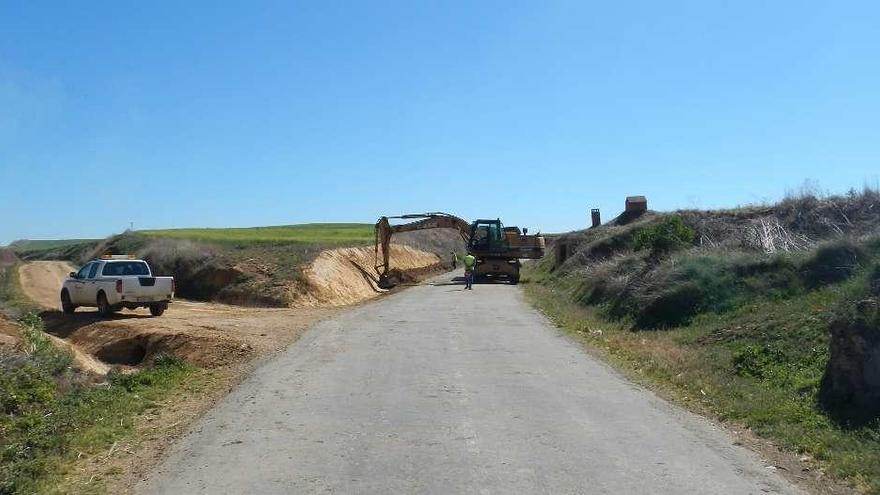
x=43, y=244
x=312, y=233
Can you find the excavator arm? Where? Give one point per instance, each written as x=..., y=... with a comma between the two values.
x=422, y=221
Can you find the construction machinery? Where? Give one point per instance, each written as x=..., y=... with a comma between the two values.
x=497, y=248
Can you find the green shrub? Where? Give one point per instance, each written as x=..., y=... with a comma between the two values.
x=691, y=286
x=607, y=247
x=40, y=348
x=849, y=390
x=834, y=262
x=168, y=360
x=43, y=422
x=28, y=397
x=716, y=280
x=776, y=277
x=44, y=408
x=667, y=236
x=13, y=302
x=875, y=281
x=22, y=385
x=757, y=361
x=671, y=308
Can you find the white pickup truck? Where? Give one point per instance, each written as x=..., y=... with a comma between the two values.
x=115, y=282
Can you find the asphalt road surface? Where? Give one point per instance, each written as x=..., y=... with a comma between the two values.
x=440, y=390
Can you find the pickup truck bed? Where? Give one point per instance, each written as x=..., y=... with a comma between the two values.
x=113, y=284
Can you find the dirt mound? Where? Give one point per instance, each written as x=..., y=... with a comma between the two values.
x=438, y=241
x=133, y=339
x=348, y=275
x=10, y=339
x=133, y=346
x=82, y=360
x=41, y=281
x=205, y=334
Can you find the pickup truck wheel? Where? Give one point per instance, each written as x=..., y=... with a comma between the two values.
x=66, y=305
x=104, y=307
x=157, y=309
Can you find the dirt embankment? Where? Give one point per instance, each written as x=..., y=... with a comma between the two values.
x=345, y=276
x=41, y=281
x=211, y=334
x=205, y=334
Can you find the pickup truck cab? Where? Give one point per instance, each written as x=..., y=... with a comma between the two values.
x=114, y=282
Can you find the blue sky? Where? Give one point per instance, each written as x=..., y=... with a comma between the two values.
x=189, y=114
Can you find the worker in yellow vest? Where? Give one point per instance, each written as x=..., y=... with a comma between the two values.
x=469, y=262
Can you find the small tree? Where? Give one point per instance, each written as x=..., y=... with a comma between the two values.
x=667, y=236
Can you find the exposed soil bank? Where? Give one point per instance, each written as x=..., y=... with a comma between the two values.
x=41, y=281
x=209, y=334
x=345, y=276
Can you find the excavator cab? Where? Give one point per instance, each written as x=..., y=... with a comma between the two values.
x=487, y=236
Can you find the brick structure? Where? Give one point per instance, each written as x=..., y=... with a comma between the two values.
x=636, y=205
x=596, y=217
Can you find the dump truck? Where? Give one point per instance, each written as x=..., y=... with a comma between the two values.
x=498, y=249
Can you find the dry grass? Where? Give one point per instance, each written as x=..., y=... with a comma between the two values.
x=745, y=314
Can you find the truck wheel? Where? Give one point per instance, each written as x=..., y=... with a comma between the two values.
x=514, y=280
x=66, y=305
x=104, y=308
x=157, y=309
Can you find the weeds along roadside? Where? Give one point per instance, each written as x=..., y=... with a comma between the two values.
x=53, y=416
x=735, y=334
x=13, y=302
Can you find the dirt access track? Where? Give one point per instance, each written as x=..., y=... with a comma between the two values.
x=208, y=334
x=204, y=334
x=41, y=281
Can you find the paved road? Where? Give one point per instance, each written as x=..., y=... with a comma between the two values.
x=438, y=390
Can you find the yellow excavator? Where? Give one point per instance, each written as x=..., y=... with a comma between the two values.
x=497, y=248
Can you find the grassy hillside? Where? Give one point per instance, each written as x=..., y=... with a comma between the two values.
x=259, y=266
x=313, y=233
x=44, y=244
x=765, y=317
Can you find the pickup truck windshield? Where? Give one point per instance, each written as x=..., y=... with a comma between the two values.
x=117, y=268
